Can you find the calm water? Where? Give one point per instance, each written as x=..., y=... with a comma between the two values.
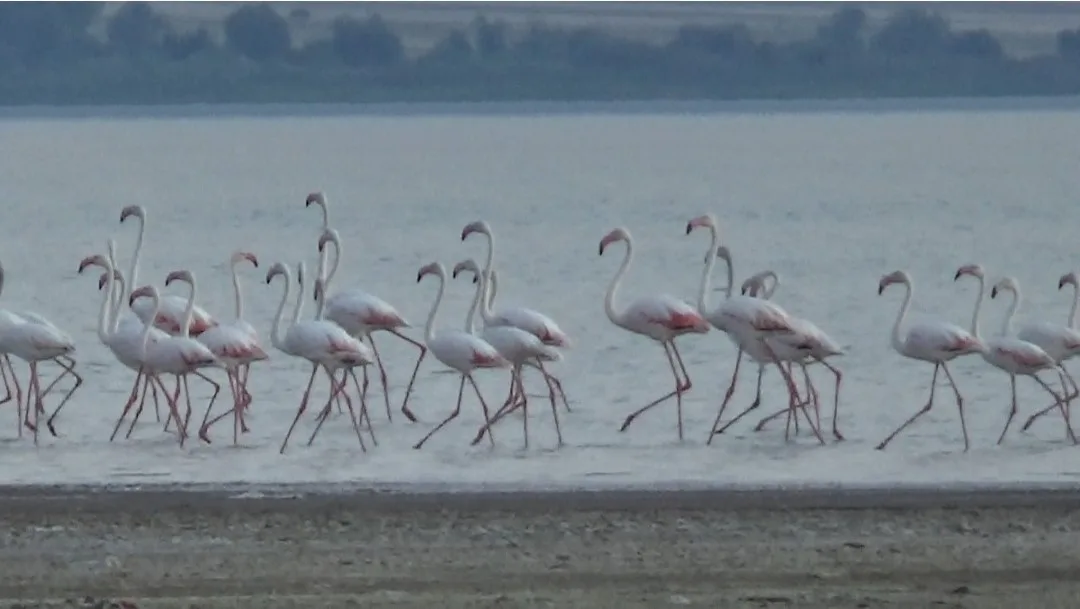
x=830, y=201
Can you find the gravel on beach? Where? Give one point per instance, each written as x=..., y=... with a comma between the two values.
x=715, y=549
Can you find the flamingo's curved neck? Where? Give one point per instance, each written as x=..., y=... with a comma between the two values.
x=429, y=328
x=759, y=283
x=320, y=302
x=897, y=341
x=324, y=206
x=1006, y=326
x=237, y=292
x=978, y=308
x=189, y=312
x=490, y=259
x=106, y=304
x=119, y=293
x=133, y=275
x=327, y=276
x=470, y=322
x=299, y=294
x=275, y=332
x=1076, y=301
x=491, y=284
x=706, y=273
x=613, y=289
x=147, y=327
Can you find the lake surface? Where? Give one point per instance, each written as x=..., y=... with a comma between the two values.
x=830, y=201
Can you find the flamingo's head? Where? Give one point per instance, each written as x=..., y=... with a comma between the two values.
x=467, y=265
x=1069, y=278
x=433, y=268
x=723, y=252
x=105, y=279
x=276, y=269
x=133, y=210
x=95, y=260
x=975, y=270
x=707, y=221
x=475, y=227
x=619, y=234
x=240, y=256
x=329, y=236
x=147, y=290
x=891, y=278
x=755, y=284
x=181, y=275
x=317, y=197
x=1007, y=284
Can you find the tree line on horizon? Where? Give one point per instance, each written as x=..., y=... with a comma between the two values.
x=49, y=55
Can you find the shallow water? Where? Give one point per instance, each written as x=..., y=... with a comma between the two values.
x=831, y=201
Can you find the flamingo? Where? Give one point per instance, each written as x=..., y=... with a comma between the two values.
x=123, y=340
x=748, y=322
x=533, y=322
x=13, y=341
x=325, y=344
x=362, y=314
x=1013, y=355
x=461, y=351
x=517, y=346
x=172, y=307
x=662, y=318
x=1060, y=342
x=236, y=344
x=822, y=346
x=937, y=342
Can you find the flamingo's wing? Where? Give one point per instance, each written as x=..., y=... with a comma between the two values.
x=533, y=322
x=359, y=307
x=941, y=336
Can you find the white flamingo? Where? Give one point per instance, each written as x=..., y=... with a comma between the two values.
x=172, y=307
x=20, y=335
x=1012, y=355
x=1061, y=342
x=937, y=342
x=517, y=346
x=662, y=318
x=759, y=328
x=322, y=343
x=461, y=351
x=821, y=347
x=362, y=314
x=236, y=345
x=124, y=340
x=533, y=322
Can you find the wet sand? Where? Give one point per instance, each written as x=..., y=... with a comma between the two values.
x=809, y=549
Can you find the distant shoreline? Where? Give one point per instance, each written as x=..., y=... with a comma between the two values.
x=512, y=108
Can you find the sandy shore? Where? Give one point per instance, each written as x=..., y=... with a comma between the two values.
x=807, y=549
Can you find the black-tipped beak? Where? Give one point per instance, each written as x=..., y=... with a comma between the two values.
x=419, y=276
x=476, y=279
x=993, y=292
x=454, y=274
x=1061, y=284
x=601, y=250
x=957, y=275
x=880, y=290
x=689, y=227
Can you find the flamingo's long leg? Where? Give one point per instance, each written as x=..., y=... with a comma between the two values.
x=174, y=410
x=727, y=396
x=69, y=369
x=925, y=409
x=382, y=376
x=5, y=361
x=336, y=390
x=453, y=415
x=1062, y=402
x=35, y=388
x=132, y=397
x=152, y=387
x=677, y=394
x=236, y=411
x=753, y=405
x=554, y=383
x=412, y=379
x=509, y=406
x=1055, y=405
x=301, y=409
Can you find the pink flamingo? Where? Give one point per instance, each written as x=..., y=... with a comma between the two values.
x=236, y=345
x=176, y=355
x=759, y=328
x=461, y=351
x=529, y=320
x=1060, y=342
x=937, y=342
x=172, y=307
x=821, y=346
x=325, y=344
x=662, y=318
x=1013, y=355
x=362, y=314
x=518, y=347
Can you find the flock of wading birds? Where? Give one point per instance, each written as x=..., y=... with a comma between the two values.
x=172, y=336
